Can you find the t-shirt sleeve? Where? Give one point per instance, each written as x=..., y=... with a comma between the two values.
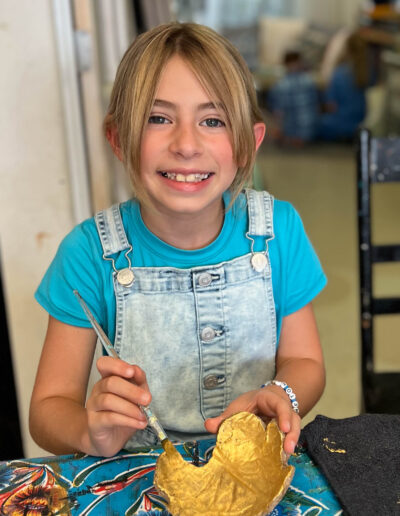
x=301, y=269
x=74, y=267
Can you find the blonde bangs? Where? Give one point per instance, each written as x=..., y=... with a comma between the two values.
x=135, y=88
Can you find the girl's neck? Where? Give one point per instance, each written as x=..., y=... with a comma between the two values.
x=188, y=231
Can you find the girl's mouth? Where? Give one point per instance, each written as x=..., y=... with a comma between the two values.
x=186, y=178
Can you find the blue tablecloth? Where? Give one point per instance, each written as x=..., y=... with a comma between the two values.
x=83, y=485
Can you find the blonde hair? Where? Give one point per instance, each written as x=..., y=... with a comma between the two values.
x=220, y=69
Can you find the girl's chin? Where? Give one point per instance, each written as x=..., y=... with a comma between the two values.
x=186, y=204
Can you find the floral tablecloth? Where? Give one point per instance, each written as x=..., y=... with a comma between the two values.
x=83, y=485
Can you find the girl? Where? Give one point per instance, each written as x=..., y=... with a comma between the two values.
x=205, y=290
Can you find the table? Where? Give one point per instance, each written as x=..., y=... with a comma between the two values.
x=83, y=485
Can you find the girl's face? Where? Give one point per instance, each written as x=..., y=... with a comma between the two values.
x=186, y=153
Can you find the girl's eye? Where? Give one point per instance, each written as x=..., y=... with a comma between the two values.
x=213, y=122
x=157, y=119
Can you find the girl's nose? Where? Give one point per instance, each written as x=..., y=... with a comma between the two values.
x=186, y=142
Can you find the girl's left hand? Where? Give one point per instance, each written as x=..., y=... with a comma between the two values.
x=267, y=403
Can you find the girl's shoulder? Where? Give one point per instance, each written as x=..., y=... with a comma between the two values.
x=287, y=221
x=285, y=213
x=83, y=236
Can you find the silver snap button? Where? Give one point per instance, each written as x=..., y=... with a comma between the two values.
x=207, y=334
x=205, y=279
x=259, y=261
x=125, y=277
x=212, y=381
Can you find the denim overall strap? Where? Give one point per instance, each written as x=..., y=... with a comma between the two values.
x=111, y=230
x=260, y=209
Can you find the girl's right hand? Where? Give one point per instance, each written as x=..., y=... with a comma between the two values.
x=113, y=412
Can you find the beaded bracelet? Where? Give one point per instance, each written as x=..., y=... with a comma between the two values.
x=289, y=392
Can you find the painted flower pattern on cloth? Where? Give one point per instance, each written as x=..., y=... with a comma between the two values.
x=84, y=485
x=36, y=500
x=33, y=490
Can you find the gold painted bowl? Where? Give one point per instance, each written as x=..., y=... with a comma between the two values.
x=247, y=474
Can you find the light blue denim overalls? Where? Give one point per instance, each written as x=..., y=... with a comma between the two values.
x=203, y=335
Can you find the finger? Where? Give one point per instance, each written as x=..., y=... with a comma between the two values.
x=212, y=424
x=274, y=406
x=111, y=403
x=139, y=377
x=243, y=403
x=108, y=366
x=284, y=417
x=123, y=388
x=293, y=435
x=108, y=419
x=288, y=421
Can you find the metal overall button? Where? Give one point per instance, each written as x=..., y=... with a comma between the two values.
x=207, y=334
x=204, y=279
x=259, y=261
x=125, y=277
x=212, y=381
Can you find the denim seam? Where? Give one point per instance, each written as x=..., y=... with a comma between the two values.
x=123, y=241
x=228, y=353
x=106, y=231
x=268, y=210
x=251, y=210
x=271, y=304
x=147, y=285
x=267, y=216
x=101, y=228
x=119, y=309
x=222, y=342
x=200, y=351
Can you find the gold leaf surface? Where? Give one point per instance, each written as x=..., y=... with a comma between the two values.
x=247, y=474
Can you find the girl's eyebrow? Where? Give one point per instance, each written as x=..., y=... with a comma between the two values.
x=170, y=105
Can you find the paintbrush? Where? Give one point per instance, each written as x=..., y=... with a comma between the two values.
x=105, y=341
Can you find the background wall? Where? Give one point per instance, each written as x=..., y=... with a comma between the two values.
x=34, y=188
x=333, y=13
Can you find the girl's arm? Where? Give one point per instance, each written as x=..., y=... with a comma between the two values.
x=59, y=421
x=299, y=363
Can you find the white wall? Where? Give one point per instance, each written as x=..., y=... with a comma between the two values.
x=332, y=13
x=34, y=190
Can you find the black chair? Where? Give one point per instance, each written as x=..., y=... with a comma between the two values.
x=378, y=161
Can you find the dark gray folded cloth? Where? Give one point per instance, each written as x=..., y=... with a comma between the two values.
x=360, y=457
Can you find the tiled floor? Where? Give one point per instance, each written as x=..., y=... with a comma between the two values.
x=321, y=183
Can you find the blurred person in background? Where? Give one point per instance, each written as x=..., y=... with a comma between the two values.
x=295, y=104
x=344, y=100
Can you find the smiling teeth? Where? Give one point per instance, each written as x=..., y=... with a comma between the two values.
x=182, y=178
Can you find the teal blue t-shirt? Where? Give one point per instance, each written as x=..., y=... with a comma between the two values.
x=297, y=275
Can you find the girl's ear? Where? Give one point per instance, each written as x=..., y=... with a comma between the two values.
x=113, y=140
x=259, y=133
